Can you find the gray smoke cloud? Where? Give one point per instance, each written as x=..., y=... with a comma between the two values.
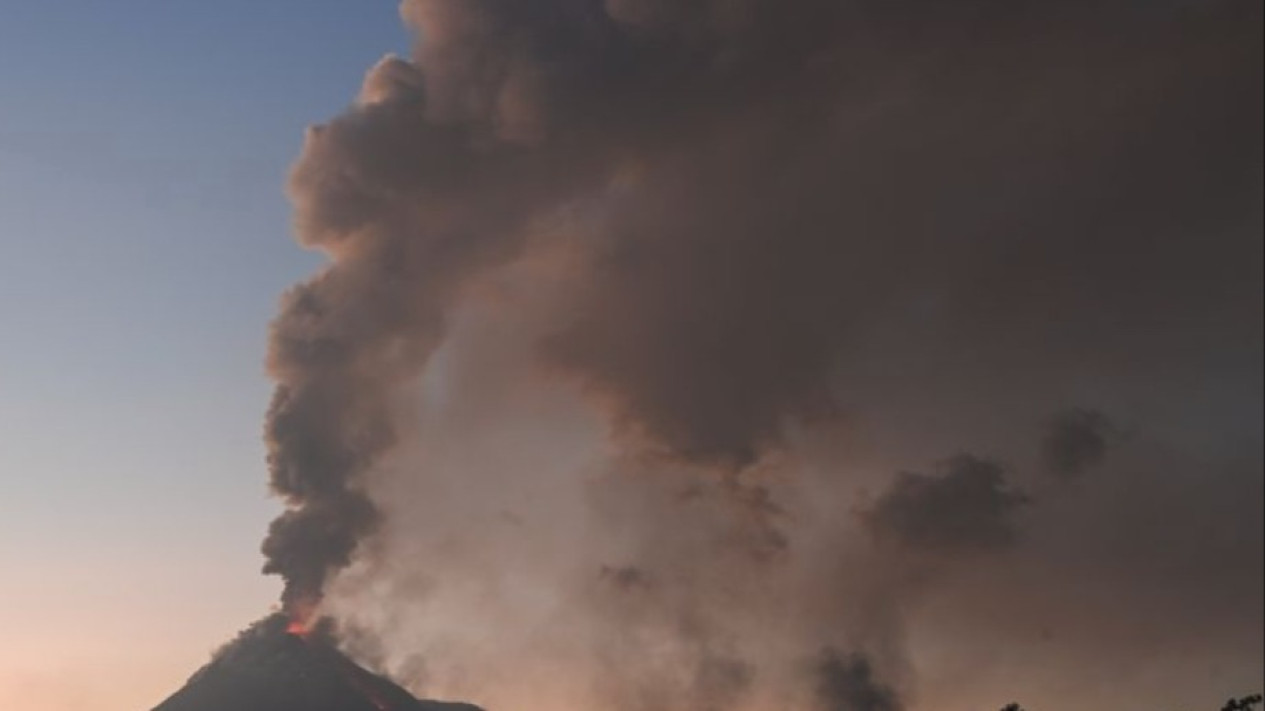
x=968, y=506
x=627, y=300
x=1077, y=440
x=848, y=684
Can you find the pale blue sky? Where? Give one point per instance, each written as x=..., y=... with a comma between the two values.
x=143, y=243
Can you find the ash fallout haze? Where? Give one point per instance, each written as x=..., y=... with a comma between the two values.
x=772, y=355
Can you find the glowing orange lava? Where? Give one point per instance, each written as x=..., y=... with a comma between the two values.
x=301, y=614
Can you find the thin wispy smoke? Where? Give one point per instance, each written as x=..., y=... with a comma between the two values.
x=628, y=303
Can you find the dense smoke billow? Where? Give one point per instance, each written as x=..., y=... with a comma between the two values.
x=636, y=309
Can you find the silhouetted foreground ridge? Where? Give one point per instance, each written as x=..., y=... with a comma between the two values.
x=1246, y=703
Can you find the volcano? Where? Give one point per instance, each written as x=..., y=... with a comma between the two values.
x=270, y=668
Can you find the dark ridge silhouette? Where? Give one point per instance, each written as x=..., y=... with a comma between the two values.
x=267, y=668
x=1246, y=703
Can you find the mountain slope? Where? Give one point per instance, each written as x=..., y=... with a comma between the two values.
x=268, y=669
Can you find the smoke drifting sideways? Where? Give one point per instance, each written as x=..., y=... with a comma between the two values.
x=729, y=262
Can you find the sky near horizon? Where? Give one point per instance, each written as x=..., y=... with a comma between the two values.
x=145, y=238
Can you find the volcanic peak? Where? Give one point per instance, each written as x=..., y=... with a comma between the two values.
x=267, y=668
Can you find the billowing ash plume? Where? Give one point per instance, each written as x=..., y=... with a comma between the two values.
x=628, y=299
x=407, y=209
